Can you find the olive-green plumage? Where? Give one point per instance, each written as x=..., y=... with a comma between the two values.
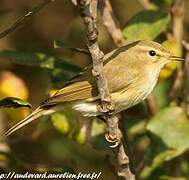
x=131, y=71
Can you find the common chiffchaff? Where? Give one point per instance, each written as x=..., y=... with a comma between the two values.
x=132, y=72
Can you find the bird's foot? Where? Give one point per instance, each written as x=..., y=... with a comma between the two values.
x=106, y=107
x=113, y=138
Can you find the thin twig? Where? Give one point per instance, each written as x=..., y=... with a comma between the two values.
x=186, y=45
x=177, y=30
x=23, y=19
x=145, y=4
x=74, y=2
x=185, y=85
x=152, y=104
x=111, y=23
x=177, y=20
x=88, y=10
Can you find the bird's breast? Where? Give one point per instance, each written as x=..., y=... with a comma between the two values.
x=138, y=91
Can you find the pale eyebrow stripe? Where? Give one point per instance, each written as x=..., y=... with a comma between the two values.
x=148, y=48
x=145, y=48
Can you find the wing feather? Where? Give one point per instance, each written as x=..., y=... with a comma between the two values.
x=119, y=72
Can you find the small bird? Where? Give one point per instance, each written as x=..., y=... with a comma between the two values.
x=131, y=71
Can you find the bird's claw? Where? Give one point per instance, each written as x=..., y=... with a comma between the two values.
x=113, y=140
x=105, y=107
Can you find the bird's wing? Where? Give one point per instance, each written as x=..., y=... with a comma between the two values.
x=119, y=70
x=119, y=73
x=81, y=87
x=34, y=115
x=76, y=91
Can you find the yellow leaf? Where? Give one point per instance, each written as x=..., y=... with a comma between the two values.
x=81, y=136
x=13, y=86
x=174, y=48
x=60, y=122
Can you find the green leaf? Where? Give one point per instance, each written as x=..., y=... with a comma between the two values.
x=59, y=44
x=169, y=131
x=97, y=128
x=138, y=128
x=172, y=126
x=81, y=135
x=60, y=122
x=14, y=102
x=146, y=24
x=184, y=166
x=58, y=76
x=161, y=93
x=38, y=60
x=158, y=158
x=161, y=2
x=171, y=178
x=59, y=70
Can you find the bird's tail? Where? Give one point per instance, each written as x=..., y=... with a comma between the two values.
x=34, y=115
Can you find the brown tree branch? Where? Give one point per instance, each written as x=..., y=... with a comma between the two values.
x=88, y=10
x=123, y=162
x=23, y=19
x=112, y=26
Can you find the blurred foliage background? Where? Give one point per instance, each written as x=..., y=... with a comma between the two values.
x=32, y=67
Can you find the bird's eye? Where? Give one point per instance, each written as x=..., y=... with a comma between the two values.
x=152, y=53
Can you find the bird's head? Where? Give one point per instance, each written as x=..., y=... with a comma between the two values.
x=152, y=53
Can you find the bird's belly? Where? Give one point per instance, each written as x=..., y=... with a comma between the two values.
x=122, y=101
x=133, y=96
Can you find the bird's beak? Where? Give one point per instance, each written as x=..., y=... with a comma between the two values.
x=176, y=58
